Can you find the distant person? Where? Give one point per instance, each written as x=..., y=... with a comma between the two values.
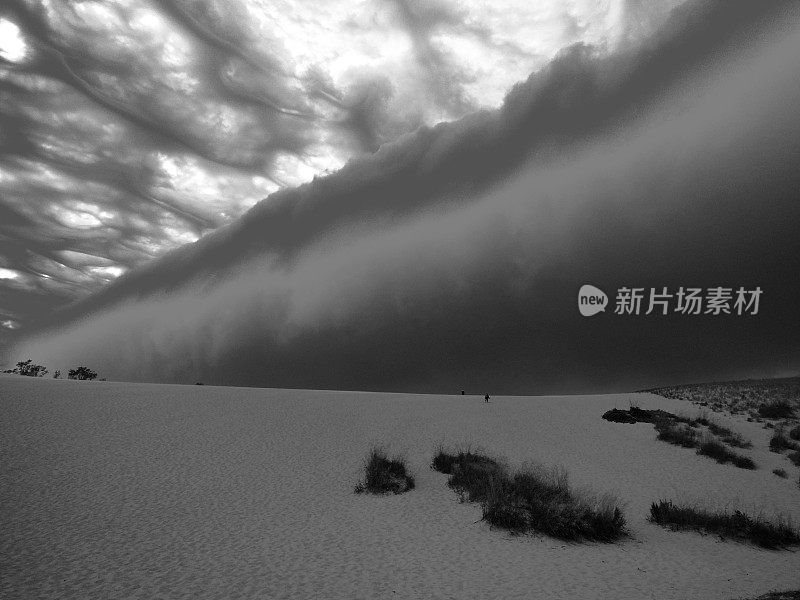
x=486, y=397
x=462, y=392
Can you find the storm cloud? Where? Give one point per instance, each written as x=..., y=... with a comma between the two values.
x=451, y=258
x=129, y=128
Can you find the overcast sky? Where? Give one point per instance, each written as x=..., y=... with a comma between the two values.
x=638, y=147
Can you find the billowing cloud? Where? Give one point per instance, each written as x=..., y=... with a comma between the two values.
x=451, y=258
x=129, y=128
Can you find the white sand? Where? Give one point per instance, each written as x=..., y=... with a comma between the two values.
x=116, y=490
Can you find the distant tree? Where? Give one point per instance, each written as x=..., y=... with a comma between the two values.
x=29, y=369
x=82, y=373
x=57, y=374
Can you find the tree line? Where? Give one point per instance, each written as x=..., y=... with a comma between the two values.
x=29, y=369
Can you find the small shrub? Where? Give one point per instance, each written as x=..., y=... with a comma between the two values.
x=737, y=526
x=82, y=373
x=383, y=475
x=794, y=433
x=776, y=410
x=779, y=442
x=677, y=434
x=795, y=458
x=780, y=473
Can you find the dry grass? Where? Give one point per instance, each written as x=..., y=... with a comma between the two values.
x=531, y=499
x=737, y=526
x=383, y=475
x=718, y=451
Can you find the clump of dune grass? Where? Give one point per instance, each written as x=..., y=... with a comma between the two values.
x=730, y=437
x=795, y=458
x=383, y=475
x=719, y=452
x=737, y=526
x=531, y=499
x=470, y=472
x=678, y=434
x=780, y=442
x=780, y=473
x=794, y=433
x=681, y=434
x=776, y=410
x=737, y=440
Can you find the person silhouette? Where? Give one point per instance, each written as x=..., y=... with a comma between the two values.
x=486, y=397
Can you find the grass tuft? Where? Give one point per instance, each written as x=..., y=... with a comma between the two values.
x=531, y=499
x=383, y=475
x=780, y=473
x=736, y=526
x=719, y=452
x=730, y=437
x=678, y=434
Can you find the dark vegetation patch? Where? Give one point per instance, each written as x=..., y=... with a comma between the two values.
x=745, y=396
x=640, y=415
x=530, y=499
x=683, y=431
x=383, y=475
x=736, y=526
x=795, y=458
x=780, y=473
x=776, y=410
x=794, y=433
x=780, y=442
x=719, y=452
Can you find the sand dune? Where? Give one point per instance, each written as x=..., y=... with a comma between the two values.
x=118, y=490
